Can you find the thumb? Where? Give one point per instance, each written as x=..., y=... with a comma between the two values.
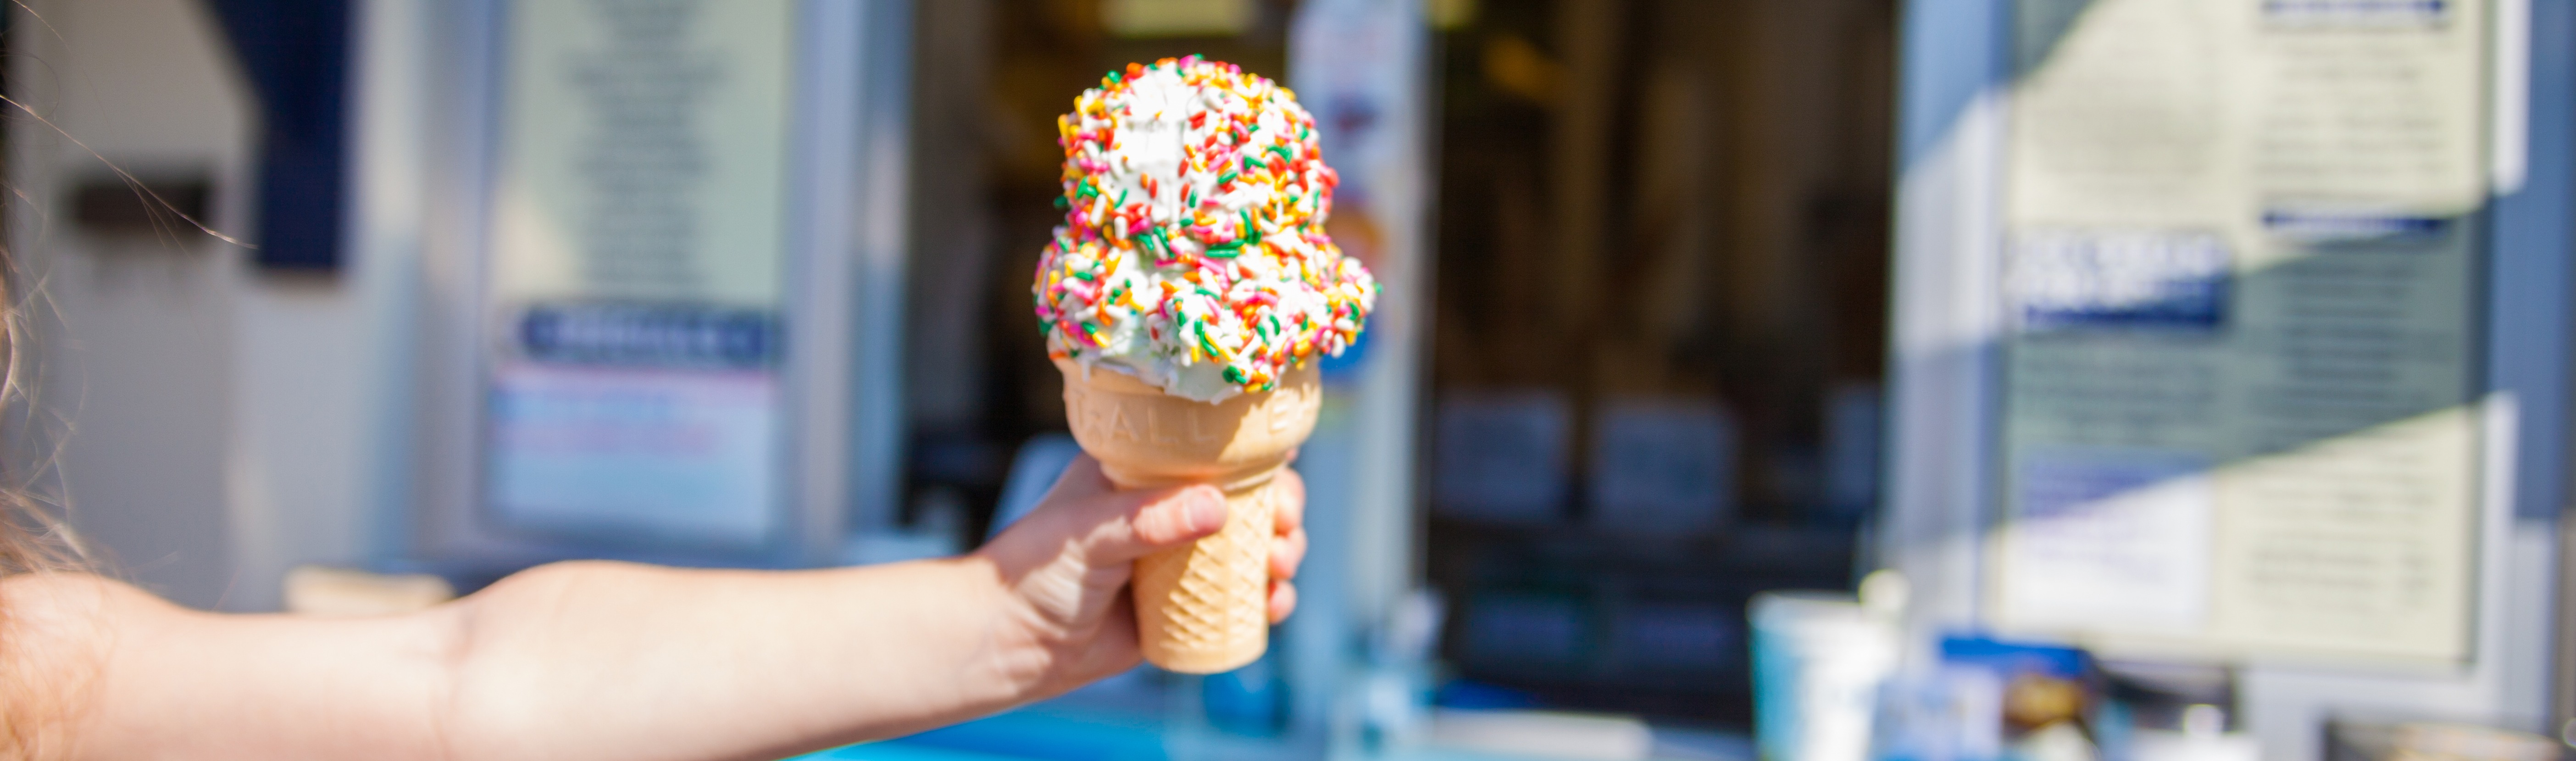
x=1125, y=526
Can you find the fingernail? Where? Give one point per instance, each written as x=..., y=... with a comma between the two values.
x=1204, y=509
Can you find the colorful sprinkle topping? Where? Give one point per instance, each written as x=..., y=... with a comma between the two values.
x=1193, y=252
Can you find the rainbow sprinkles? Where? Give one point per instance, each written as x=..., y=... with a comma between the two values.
x=1193, y=253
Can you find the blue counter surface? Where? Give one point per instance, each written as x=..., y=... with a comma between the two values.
x=1037, y=733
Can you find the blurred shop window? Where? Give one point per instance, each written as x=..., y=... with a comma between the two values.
x=1661, y=467
x=1660, y=318
x=1501, y=457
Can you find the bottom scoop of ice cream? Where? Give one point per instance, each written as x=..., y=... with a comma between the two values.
x=1193, y=253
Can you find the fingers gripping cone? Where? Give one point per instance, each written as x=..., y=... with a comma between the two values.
x=1201, y=608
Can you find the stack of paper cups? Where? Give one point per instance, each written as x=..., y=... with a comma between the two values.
x=1818, y=662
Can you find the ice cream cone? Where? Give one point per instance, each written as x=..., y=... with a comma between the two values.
x=1202, y=608
x=1194, y=247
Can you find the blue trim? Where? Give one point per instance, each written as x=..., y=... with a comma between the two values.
x=1952, y=50
x=2529, y=310
x=296, y=56
x=895, y=751
x=1944, y=402
x=1037, y=733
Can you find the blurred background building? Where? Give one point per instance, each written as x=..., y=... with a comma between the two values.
x=2195, y=369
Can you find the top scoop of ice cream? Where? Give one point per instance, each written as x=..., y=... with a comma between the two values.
x=1193, y=252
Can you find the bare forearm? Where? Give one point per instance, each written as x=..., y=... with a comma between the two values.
x=587, y=660
x=124, y=675
x=604, y=660
x=601, y=660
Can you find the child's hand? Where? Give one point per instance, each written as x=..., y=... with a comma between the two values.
x=1068, y=617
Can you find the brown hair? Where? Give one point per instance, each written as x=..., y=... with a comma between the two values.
x=34, y=539
x=33, y=535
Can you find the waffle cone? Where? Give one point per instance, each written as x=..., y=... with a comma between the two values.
x=1201, y=608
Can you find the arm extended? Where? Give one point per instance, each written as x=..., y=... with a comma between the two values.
x=613, y=660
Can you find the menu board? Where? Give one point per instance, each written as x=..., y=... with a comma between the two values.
x=2241, y=273
x=634, y=271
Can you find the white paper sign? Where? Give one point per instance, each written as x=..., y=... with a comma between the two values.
x=676, y=456
x=636, y=270
x=2241, y=395
x=2109, y=538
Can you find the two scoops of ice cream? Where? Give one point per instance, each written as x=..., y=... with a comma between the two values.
x=1188, y=298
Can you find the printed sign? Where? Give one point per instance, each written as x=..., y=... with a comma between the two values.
x=636, y=269
x=2240, y=396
